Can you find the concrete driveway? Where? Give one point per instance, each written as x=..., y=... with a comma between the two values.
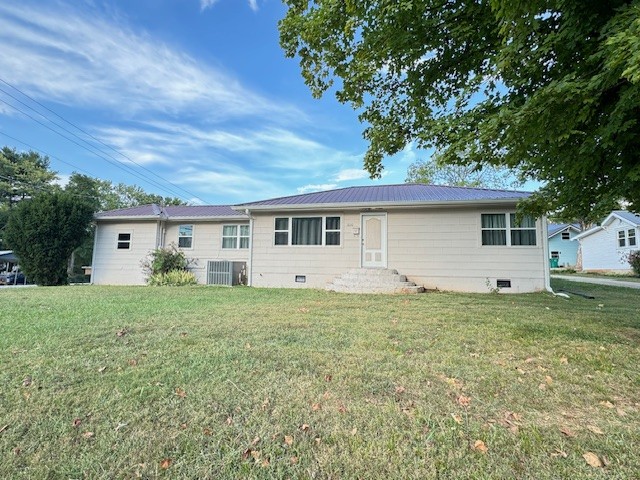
x=599, y=281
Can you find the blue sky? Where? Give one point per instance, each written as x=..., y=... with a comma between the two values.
x=197, y=91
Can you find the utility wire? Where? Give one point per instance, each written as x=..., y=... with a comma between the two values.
x=89, y=135
x=117, y=164
x=45, y=153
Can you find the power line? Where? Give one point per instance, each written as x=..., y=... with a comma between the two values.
x=90, y=136
x=116, y=163
x=45, y=153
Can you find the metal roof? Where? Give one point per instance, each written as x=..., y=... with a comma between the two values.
x=170, y=212
x=555, y=228
x=401, y=194
x=628, y=216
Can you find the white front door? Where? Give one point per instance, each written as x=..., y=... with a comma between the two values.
x=374, y=240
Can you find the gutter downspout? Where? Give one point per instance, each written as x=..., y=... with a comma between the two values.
x=545, y=253
x=93, y=254
x=250, y=266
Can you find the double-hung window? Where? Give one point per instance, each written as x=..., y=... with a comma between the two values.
x=185, y=236
x=627, y=238
x=307, y=231
x=505, y=229
x=235, y=236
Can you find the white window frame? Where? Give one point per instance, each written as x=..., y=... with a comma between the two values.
x=626, y=236
x=237, y=236
x=190, y=247
x=128, y=242
x=508, y=229
x=323, y=226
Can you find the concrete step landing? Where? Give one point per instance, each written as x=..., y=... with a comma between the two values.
x=373, y=280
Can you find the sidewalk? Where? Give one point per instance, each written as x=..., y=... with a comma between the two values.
x=598, y=281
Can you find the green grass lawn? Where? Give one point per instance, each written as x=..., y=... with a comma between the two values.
x=128, y=382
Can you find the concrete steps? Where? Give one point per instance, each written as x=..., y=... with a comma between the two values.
x=373, y=280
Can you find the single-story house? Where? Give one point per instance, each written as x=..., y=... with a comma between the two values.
x=7, y=259
x=438, y=237
x=562, y=247
x=606, y=246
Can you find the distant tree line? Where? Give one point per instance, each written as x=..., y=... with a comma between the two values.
x=49, y=226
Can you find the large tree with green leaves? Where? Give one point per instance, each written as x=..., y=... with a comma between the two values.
x=550, y=87
x=22, y=175
x=43, y=232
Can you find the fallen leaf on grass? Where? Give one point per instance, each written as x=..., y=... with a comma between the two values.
x=592, y=459
x=315, y=407
x=463, y=401
x=293, y=460
x=400, y=389
x=265, y=403
x=542, y=386
x=328, y=378
x=529, y=360
x=265, y=462
x=77, y=422
x=122, y=332
x=567, y=432
x=180, y=392
x=87, y=434
x=102, y=369
x=183, y=334
x=27, y=381
x=165, y=463
x=456, y=418
x=479, y=446
x=564, y=360
x=288, y=440
x=559, y=453
x=595, y=429
x=207, y=431
x=620, y=412
x=133, y=362
x=607, y=404
x=246, y=454
x=255, y=441
x=17, y=451
x=548, y=380
x=354, y=431
x=304, y=427
x=303, y=310
x=342, y=408
x=229, y=421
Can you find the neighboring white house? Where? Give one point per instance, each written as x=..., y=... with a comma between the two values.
x=450, y=238
x=563, y=249
x=606, y=246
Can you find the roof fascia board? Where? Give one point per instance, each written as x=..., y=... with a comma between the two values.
x=379, y=205
x=589, y=232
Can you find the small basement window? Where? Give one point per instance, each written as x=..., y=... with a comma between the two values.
x=124, y=241
x=503, y=283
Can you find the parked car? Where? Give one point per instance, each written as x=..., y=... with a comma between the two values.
x=12, y=278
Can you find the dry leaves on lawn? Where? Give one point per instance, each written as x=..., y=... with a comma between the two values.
x=165, y=463
x=463, y=401
x=592, y=459
x=480, y=446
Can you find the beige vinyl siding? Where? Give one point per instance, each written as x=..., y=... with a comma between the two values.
x=443, y=249
x=277, y=265
x=437, y=248
x=122, y=267
x=206, y=245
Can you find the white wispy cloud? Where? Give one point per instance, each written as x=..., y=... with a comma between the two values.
x=316, y=188
x=204, y=4
x=77, y=57
x=350, y=174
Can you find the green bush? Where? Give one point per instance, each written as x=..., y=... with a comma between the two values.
x=168, y=266
x=173, y=278
x=634, y=261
